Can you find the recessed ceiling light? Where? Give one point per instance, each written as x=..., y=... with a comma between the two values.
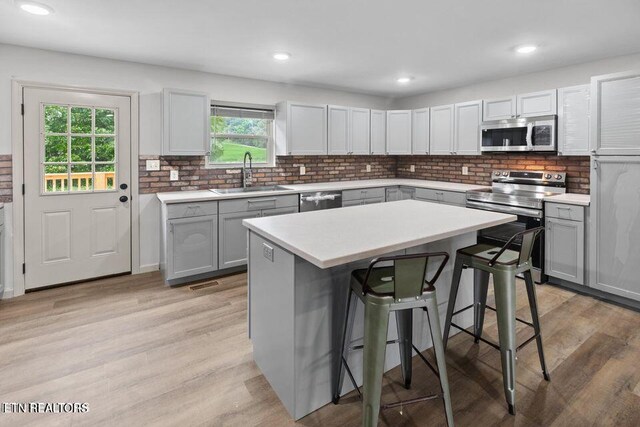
x=35, y=8
x=404, y=80
x=527, y=48
x=281, y=56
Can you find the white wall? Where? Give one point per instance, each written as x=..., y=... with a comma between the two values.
x=559, y=77
x=19, y=63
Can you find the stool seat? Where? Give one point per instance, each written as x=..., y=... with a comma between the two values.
x=486, y=252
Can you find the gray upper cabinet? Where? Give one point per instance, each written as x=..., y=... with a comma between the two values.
x=499, y=109
x=339, y=129
x=399, y=132
x=565, y=242
x=573, y=120
x=192, y=246
x=360, y=130
x=614, y=230
x=468, y=116
x=442, y=129
x=301, y=129
x=378, y=132
x=420, y=131
x=615, y=112
x=185, y=123
x=536, y=104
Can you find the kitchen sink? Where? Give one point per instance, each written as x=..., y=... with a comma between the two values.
x=249, y=189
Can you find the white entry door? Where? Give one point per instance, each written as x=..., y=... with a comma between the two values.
x=76, y=172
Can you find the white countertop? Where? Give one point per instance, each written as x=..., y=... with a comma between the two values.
x=203, y=195
x=332, y=237
x=570, y=199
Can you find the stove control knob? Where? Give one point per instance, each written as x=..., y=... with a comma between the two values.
x=548, y=176
x=558, y=176
x=496, y=173
x=505, y=173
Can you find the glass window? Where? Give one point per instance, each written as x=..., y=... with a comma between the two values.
x=79, y=149
x=235, y=131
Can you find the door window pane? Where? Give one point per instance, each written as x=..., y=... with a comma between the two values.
x=105, y=122
x=80, y=148
x=55, y=148
x=81, y=120
x=56, y=178
x=55, y=118
x=105, y=149
x=105, y=177
x=81, y=177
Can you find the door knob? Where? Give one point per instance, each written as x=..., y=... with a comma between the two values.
x=123, y=186
x=123, y=199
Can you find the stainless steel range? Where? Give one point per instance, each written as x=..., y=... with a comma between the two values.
x=518, y=193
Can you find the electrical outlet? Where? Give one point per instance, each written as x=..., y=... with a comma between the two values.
x=412, y=168
x=465, y=170
x=174, y=175
x=368, y=168
x=267, y=251
x=303, y=170
x=153, y=165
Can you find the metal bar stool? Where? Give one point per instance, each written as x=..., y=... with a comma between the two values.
x=400, y=288
x=504, y=264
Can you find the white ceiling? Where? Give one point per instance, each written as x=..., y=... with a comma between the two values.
x=358, y=45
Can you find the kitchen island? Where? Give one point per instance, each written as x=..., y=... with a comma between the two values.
x=299, y=268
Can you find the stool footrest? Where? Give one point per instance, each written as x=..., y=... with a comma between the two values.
x=361, y=346
x=424, y=359
x=517, y=318
x=411, y=401
x=492, y=344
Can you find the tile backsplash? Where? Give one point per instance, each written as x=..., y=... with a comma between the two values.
x=194, y=176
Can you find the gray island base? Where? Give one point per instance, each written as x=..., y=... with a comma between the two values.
x=299, y=269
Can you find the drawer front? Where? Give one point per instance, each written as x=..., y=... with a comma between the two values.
x=428, y=194
x=454, y=198
x=563, y=211
x=364, y=193
x=187, y=210
x=258, y=203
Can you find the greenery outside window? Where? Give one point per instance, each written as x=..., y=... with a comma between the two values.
x=236, y=130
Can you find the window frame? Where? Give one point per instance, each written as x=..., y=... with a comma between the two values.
x=271, y=146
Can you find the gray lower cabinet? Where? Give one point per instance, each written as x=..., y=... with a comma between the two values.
x=400, y=193
x=614, y=229
x=564, y=249
x=192, y=246
x=365, y=196
x=407, y=193
x=441, y=196
x=347, y=203
x=232, y=242
x=1, y=250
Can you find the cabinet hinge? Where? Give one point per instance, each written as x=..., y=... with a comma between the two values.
x=22, y=109
x=24, y=268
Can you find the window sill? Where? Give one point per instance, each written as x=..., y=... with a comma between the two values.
x=237, y=165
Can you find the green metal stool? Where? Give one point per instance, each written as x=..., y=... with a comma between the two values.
x=504, y=264
x=400, y=288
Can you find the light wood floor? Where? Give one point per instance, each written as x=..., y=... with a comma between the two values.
x=141, y=353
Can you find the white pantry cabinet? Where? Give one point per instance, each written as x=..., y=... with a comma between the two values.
x=420, y=131
x=467, y=119
x=399, y=132
x=442, y=129
x=378, y=132
x=573, y=120
x=615, y=114
x=301, y=129
x=185, y=123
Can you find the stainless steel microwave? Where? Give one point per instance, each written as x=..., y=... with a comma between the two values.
x=522, y=134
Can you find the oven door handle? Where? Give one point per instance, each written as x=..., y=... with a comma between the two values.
x=505, y=209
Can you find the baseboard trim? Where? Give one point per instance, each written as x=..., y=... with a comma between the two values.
x=596, y=293
x=148, y=268
x=8, y=293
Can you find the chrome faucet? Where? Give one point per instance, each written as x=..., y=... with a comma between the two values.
x=246, y=173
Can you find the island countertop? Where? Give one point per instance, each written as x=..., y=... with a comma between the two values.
x=333, y=237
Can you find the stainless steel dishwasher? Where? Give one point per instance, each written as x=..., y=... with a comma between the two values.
x=320, y=200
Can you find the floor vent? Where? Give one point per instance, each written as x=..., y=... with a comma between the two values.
x=204, y=285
